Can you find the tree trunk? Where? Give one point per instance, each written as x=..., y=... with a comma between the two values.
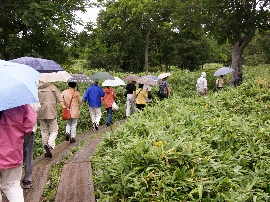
x=237, y=52
x=146, y=60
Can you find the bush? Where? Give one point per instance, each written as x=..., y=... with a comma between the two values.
x=191, y=148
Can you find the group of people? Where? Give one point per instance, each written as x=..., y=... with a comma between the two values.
x=137, y=98
x=21, y=122
x=201, y=84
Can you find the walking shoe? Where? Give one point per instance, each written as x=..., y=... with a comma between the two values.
x=26, y=185
x=67, y=136
x=72, y=140
x=108, y=124
x=48, y=150
x=94, y=126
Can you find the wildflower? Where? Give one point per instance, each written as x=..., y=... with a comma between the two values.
x=158, y=144
x=206, y=105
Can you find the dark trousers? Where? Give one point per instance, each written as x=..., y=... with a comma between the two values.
x=109, y=115
x=140, y=106
x=28, y=147
x=162, y=96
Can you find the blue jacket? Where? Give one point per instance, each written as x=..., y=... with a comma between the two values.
x=93, y=95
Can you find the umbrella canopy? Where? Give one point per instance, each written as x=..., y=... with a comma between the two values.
x=55, y=76
x=80, y=78
x=147, y=81
x=39, y=64
x=164, y=75
x=223, y=71
x=152, y=77
x=131, y=77
x=116, y=82
x=101, y=76
x=18, y=85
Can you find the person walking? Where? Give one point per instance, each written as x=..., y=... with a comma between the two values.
x=93, y=96
x=202, y=84
x=49, y=96
x=108, y=99
x=15, y=123
x=148, y=89
x=131, y=96
x=70, y=98
x=220, y=82
x=28, y=152
x=141, y=96
x=164, y=88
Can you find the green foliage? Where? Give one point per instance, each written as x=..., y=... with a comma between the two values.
x=191, y=148
x=38, y=28
x=257, y=51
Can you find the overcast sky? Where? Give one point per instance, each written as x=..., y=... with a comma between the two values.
x=91, y=14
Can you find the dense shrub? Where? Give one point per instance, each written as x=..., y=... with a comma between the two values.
x=191, y=148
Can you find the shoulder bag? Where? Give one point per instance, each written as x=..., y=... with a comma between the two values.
x=66, y=112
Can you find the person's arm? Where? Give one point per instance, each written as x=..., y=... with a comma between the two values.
x=85, y=97
x=79, y=97
x=169, y=91
x=205, y=86
x=62, y=102
x=224, y=81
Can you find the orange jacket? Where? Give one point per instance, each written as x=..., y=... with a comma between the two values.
x=109, y=97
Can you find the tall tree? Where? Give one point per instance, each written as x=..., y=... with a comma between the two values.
x=37, y=27
x=235, y=21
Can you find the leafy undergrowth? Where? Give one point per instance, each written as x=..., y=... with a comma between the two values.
x=191, y=148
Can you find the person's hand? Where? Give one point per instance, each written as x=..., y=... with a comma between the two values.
x=84, y=103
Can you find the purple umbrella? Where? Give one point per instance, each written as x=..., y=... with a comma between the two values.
x=39, y=64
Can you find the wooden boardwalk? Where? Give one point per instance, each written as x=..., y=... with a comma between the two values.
x=76, y=178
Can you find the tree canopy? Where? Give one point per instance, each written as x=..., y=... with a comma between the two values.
x=41, y=28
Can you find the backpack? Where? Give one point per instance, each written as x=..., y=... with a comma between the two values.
x=163, y=87
x=149, y=95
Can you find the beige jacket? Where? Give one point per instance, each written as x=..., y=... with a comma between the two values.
x=49, y=96
x=74, y=107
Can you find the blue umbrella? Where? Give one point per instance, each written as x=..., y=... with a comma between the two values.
x=39, y=64
x=18, y=85
x=152, y=77
x=223, y=71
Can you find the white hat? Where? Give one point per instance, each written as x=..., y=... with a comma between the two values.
x=203, y=75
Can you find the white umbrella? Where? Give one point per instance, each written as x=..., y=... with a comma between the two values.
x=55, y=76
x=164, y=75
x=223, y=71
x=116, y=82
